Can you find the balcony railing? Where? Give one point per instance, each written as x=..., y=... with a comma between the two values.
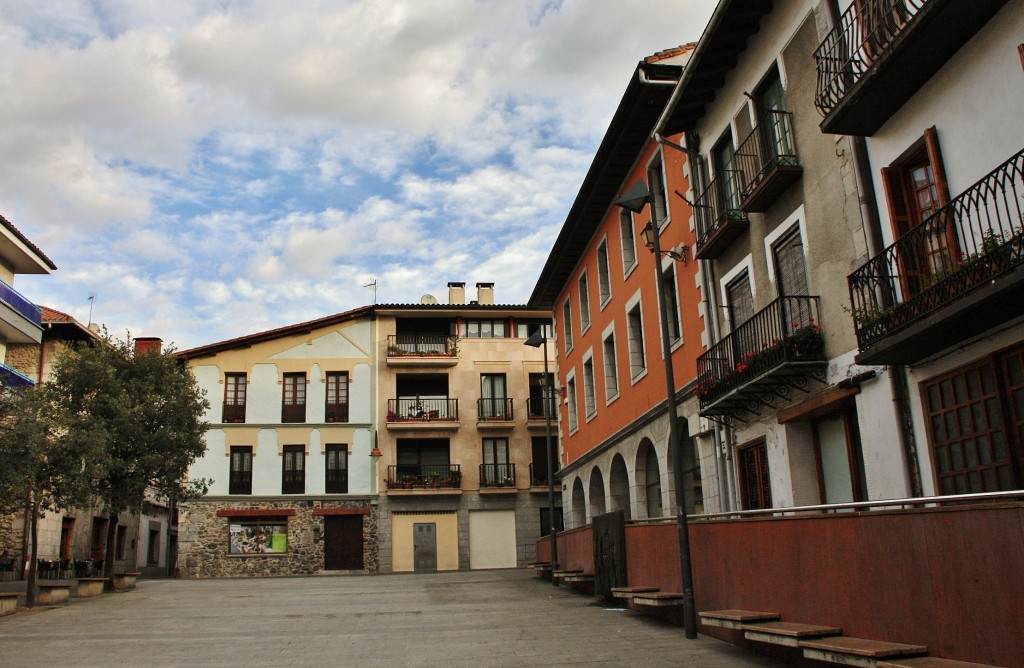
x=538, y=409
x=965, y=247
x=233, y=413
x=494, y=409
x=293, y=482
x=863, y=33
x=719, y=217
x=881, y=52
x=774, y=351
x=336, y=412
x=22, y=306
x=539, y=475
x=240, y=482
x=421, y=345
x=498, y=475
x=427, y=476
x=767, y=161
x=422, y=410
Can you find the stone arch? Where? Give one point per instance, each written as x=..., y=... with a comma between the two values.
x=618, y=487
x=597, y=501
x=578, y=516
x=648, y=480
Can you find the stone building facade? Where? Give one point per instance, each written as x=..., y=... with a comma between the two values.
x=206, y=534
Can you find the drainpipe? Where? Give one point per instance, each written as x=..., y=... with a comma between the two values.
x=899, y=385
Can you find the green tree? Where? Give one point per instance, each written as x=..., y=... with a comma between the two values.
x=149, y=410
x=51, y=459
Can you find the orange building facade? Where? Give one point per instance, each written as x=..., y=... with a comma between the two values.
x=600, y=282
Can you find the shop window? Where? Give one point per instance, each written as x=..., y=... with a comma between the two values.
x=258, y=535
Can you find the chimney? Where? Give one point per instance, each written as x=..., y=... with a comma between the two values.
x=485, y=293
x=456, y=293
x=148, y=344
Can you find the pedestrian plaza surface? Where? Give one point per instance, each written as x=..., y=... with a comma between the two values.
x=475, y=618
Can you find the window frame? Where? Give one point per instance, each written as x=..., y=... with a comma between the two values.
x=239, y=479
x=627, y=237
x=573, y=418
x=636, y=345
x=336, y=411
x=610, y=366
x=339, y=483
x=233, y=409
x=567, y=324
x=589, y=387
x=583, y=284
x=604, y=275
x=293, y=397
x=657, y=181
x=293, y=476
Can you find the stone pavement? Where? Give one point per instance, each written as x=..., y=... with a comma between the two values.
x=458, y=619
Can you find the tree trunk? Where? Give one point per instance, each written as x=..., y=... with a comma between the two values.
x=30, y=591
x=109, y=553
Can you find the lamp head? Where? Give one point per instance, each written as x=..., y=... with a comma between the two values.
x=635, y=198
x=536, y=339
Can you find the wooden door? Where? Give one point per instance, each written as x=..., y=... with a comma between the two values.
x=609, y=553
x=343, y=542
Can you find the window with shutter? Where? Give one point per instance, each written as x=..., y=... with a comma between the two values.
x=755, y=484
x=915, y=189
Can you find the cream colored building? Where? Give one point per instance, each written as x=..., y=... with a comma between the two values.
x=463, y=480
x=290, y=452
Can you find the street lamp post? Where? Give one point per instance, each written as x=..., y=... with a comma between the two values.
x=634, y=200
x=537, y=340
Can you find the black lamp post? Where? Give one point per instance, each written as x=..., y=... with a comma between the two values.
x=634, y=200
x=537, y=340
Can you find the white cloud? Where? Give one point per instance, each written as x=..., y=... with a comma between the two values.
x=213, y=169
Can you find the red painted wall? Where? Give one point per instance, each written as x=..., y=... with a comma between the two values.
x=948, y=578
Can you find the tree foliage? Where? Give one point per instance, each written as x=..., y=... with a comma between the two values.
x=149, y=411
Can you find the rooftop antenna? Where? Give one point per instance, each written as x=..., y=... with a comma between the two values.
x=92, y=300
x=373, y=284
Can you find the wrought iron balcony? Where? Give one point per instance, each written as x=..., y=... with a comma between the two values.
x=767, y=162
x=956, y=275
x=494, y=410
x=539, y=475
x=498, y=475
x=779, y=349
x=719, y=217
x=12, y=378
x=537, y=410
x=882, y=51
x=422, y=349
x=416, y=409
x=426, y=476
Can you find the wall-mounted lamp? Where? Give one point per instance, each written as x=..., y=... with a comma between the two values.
x=680, y=252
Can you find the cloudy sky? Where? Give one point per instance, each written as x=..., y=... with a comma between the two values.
x=208, y=169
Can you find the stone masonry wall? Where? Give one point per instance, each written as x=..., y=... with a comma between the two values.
x=203, y=538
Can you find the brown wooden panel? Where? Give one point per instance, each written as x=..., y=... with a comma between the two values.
x=343, y=542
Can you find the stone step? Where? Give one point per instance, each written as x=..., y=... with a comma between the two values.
x=734, y=619
x=787, y=633
x=929, y=662
x=857, y=651
x=658, y=598
x=629, y=592
x=579, y=577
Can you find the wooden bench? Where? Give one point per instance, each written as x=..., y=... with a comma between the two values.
x=54, y=594
x=8, y=603
x=786, y=633
x=88, y=587
x=735, y=619
x=857, y=651
x=929, y=662
x=125, y=581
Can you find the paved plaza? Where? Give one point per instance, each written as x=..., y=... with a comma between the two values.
x=478, y=618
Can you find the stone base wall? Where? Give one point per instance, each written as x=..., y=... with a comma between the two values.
x=203, y=537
